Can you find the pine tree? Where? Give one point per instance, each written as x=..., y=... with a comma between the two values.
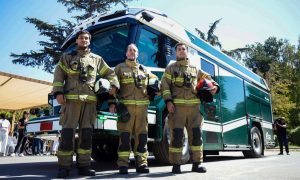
x=50, y=53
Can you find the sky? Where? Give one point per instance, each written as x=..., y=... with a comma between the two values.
x=243, y=22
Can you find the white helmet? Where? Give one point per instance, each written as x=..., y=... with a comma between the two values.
x=102, y=86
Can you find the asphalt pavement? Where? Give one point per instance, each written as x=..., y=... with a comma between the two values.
x=228, y=165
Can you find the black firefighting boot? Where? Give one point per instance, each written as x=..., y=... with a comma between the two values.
x=142, y=169
x=176, y=169
x=63, y=173
x=123, y=170
x=198, y=168
x=86, y=171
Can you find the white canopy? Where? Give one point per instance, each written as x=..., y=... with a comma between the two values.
x=18, y=92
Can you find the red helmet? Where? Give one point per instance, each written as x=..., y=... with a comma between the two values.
x=204, y=84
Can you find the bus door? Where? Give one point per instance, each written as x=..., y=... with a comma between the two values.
x=212, y=128
x=233, y=116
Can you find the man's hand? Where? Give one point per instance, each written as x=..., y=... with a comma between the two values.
x=170, y=107
x=112, y=108
x=61, y=99
x=214, y=90
x=113, y=90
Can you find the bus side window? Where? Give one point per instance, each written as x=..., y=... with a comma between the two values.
x=208, y=68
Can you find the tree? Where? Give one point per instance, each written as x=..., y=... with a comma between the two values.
x=90, y=7
x=213, y=39
x=210, y=37
x=50, y=52
x=238, y=53
x=261, y=56
x=278, y=62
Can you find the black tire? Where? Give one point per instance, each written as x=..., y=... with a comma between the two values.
x=256, y=144
x=161, y=149
x=104, y=152
x=28, y=146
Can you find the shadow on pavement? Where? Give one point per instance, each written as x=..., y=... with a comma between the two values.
x=104, y=170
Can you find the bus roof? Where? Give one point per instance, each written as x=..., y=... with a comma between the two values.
x=173, y=29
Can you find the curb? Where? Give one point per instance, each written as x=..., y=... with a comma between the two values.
x=277, y=149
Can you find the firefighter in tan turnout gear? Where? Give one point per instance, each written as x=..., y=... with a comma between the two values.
x=133, y=78
x=74, y=81
x=179, y=92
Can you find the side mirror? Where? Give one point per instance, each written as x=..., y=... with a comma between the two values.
x=50, y=99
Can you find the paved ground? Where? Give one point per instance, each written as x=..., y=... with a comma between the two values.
x=229, y=165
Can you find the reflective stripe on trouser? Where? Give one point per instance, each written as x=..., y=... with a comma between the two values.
x=138, y=127
x=75, y=114
x=189, y=117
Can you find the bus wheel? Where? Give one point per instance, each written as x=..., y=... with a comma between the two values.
x=28, y=146
x=256, y=144
x=161, y=149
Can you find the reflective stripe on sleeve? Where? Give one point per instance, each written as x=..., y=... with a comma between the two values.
x=168, y=76
x=103, y=70
x=58, y=84
x=166, y=92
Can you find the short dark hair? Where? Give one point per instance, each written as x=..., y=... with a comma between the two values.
x=2, y=115
x=24, y=113
x=83, y=32
x=181, y=44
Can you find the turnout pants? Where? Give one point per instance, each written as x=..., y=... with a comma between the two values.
x=73, y=114
x=137, y=127
x=189, y=117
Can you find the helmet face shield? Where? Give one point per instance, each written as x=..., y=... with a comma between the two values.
x=203, y=90
x=102, y=86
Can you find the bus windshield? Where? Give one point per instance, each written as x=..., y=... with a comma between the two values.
x=109, y=43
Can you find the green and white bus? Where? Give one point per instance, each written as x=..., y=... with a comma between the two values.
x=238, y=119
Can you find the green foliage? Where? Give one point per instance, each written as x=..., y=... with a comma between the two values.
x=89, y=7
x=9, y=114
x=50, y=53
x=211, y=38
x=295, y=136
x=237, y=53
x=262, y=55
x=278, y=62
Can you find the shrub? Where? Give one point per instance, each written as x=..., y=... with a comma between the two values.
x=295, y=136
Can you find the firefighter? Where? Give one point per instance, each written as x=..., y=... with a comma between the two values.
x=179, y=92
x=133, y=78
x=74, y=81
